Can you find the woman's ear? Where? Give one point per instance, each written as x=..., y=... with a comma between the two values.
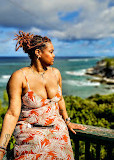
x=38, y=53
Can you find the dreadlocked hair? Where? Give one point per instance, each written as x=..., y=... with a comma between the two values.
x=30, y=42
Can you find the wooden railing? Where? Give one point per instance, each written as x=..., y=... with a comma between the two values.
x=94, y=135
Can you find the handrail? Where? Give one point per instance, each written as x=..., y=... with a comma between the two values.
x=97, y=135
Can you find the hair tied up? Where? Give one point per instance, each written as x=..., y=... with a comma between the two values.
x=23, y=39
x=30, y=42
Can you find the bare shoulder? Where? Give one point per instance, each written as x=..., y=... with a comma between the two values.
x=17, y=75
x=58, y=74
x=15, y=80
x=56, y=70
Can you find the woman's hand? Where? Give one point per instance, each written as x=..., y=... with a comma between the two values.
x=73, y=126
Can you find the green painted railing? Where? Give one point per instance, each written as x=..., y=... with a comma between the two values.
x=94, y=135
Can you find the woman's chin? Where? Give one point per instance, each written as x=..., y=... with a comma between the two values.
x=52, y=62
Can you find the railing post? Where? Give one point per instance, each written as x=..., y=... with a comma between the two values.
x=76, y=141
x=109, y=152
x=87, y=150
x=98, y=148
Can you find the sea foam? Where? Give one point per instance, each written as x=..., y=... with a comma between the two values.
x=81, y=59
x=5, y=76
x=77, y=73
x=80, y=83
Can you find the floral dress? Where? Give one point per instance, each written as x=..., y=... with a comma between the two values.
x=50, y=141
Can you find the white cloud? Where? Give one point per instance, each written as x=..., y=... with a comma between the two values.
x=96, y=22
x=95, y=19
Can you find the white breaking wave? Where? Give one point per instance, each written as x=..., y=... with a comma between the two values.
x=85, y=59
x=81, y=59
x=5, y=76
x=80, y=83
x=77, y=73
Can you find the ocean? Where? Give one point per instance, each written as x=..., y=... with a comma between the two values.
x=74, y=80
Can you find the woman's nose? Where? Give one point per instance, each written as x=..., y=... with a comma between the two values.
x=53, y=55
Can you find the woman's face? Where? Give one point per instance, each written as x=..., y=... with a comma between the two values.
x=47, y=55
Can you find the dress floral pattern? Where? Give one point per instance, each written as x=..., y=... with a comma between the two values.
x=41, y=143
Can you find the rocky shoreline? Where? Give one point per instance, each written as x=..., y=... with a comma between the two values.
x=103, y=72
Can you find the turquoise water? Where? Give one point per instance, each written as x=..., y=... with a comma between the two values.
x=74, y=80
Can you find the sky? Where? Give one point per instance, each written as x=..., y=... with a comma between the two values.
x=76, y=27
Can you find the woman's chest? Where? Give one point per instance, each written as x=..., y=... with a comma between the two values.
x=46, y=87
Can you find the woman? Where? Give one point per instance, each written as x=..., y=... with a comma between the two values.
x=36, y=106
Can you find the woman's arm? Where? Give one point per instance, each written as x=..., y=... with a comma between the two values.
x=14, y=90
x=63, y=112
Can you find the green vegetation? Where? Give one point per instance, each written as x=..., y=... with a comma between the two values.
x=97, y=110
x=109, y=62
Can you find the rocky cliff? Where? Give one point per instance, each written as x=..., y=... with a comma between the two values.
x=104, y=71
